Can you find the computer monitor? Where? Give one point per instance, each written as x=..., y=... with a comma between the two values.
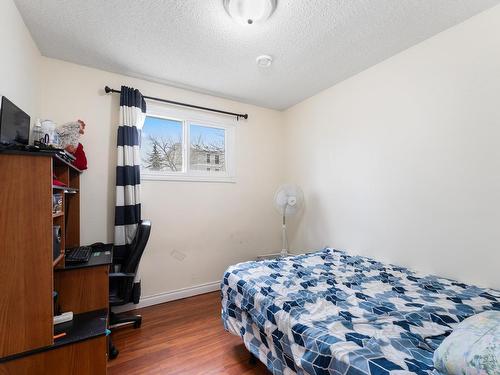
x=14, y=124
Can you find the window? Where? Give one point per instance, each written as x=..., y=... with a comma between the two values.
x=185, y=145
x=207, y=141
x=161, y=145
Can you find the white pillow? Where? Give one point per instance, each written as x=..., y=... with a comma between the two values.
x=473, y=348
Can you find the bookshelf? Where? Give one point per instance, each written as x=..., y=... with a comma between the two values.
x=30, y=272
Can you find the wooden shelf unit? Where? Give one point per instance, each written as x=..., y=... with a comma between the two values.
x=65, y=189
x=29, y=273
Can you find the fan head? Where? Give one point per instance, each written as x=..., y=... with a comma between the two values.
x=288, y=199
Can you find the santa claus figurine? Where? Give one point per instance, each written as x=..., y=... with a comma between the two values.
x=69, y=135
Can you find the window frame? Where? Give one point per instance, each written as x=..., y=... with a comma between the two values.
x=187, y=118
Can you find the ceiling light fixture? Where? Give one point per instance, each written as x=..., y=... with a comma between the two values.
x=249, y=12
x=264, y=61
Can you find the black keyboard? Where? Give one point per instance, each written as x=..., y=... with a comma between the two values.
x=80, y=254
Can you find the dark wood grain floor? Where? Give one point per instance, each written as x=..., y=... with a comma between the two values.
x=182, y=337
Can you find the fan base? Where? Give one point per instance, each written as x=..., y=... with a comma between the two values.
x=271, y=256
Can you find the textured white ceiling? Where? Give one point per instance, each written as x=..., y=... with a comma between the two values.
x=195, y=44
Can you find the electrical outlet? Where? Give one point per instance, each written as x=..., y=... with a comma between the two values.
x=178, y=255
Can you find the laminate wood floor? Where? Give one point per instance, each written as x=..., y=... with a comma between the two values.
x=182, y=337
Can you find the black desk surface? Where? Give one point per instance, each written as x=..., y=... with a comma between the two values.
x=83, y=327
x=101, y=256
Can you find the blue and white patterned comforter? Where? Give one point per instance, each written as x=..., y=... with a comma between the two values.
x=332, y=313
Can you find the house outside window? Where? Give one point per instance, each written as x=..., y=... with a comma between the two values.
x=185, y=145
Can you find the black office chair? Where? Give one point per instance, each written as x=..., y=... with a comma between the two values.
x=122, y=288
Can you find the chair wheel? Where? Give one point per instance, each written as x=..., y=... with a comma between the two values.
x=113, y=353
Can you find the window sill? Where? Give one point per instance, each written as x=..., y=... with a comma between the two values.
x=186, y=178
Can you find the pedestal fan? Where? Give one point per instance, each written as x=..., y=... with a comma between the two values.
x=288, y=200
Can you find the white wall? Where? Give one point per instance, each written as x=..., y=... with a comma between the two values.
x=19, y=60
x=212, y=224
x=402, y=161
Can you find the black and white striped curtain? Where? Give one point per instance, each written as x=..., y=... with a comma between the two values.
x=128, y=179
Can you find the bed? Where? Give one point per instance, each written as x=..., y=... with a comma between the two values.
x=328, y=312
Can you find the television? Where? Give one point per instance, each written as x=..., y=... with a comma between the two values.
x=14, y=124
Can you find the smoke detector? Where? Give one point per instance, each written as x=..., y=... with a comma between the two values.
x=264, y=61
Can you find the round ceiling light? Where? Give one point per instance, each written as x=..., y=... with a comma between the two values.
x=264, y=61
x=249, y=12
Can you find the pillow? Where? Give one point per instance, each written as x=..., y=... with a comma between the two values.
x=472, y=348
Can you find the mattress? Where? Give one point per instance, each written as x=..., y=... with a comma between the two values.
x=328, y=312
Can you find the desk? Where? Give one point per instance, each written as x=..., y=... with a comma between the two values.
x=80, y=358
x=83, y=289
x=84, y=326
x=29, y=273
x=85, y=286
x=101, y=256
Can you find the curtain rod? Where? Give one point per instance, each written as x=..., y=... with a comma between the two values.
x=108, y=90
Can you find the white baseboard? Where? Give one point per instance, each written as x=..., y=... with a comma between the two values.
x=173, y=295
